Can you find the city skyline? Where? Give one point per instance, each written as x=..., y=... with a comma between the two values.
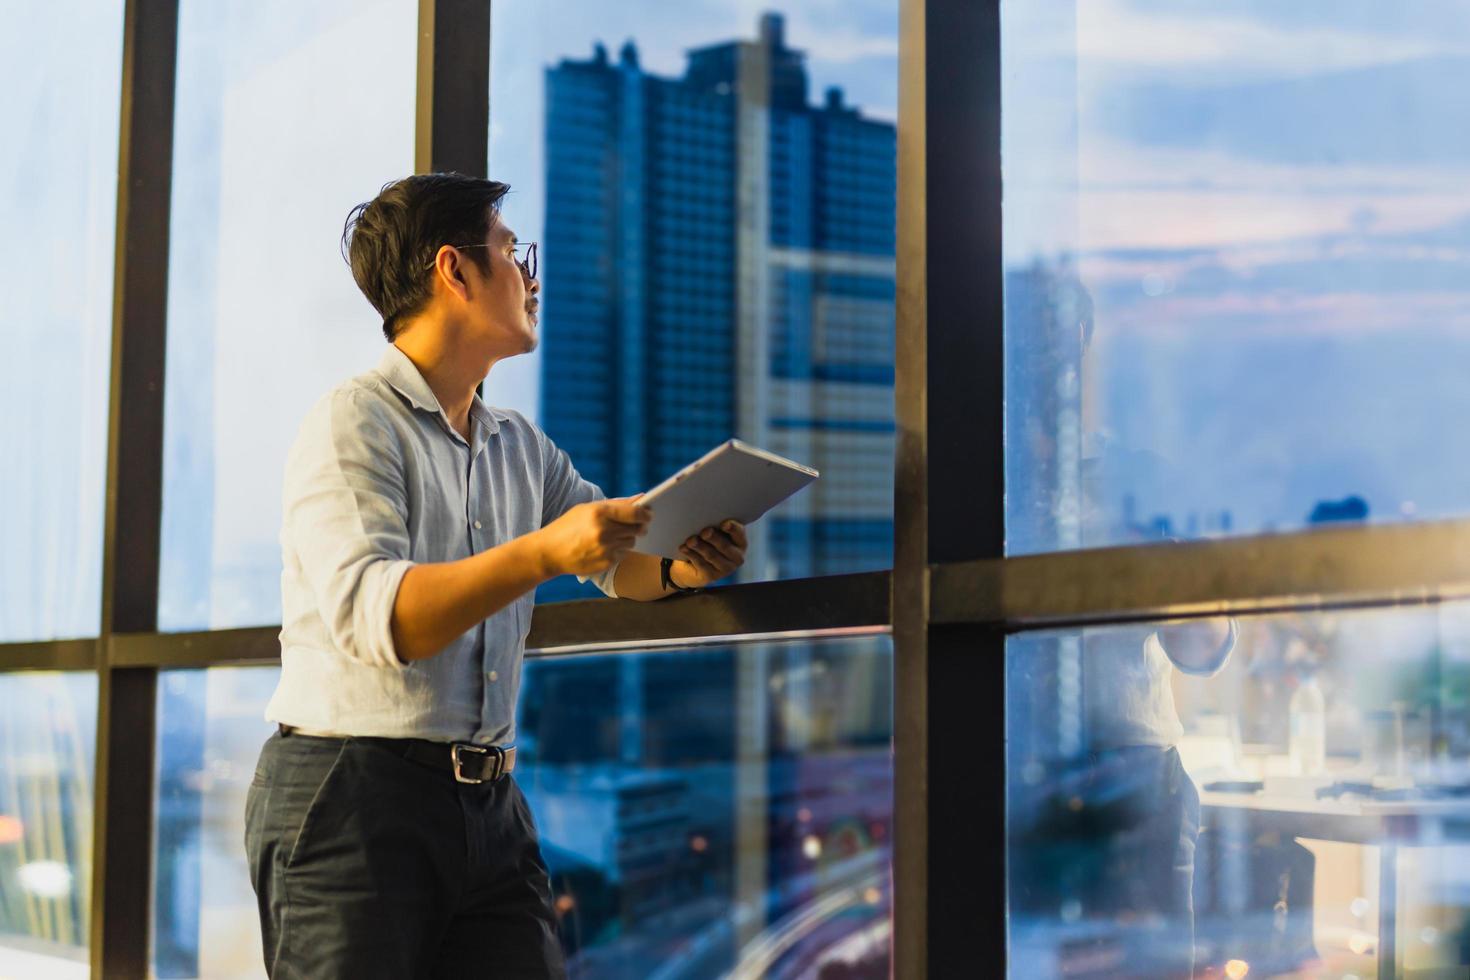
x=719, y=246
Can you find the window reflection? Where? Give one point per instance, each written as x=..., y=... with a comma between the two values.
x=717, y=810
x=715, y=193
x=286, y=115
x=211, y=725
x=48, y=725
x=1235, y=252
x=60, y=70
x=700, y=811
x=1302, y=812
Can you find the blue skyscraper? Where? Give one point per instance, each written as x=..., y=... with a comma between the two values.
x=720, y=261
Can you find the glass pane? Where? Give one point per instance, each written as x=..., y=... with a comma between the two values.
x=718, y=250
x=211, y=724
x=48, y=729
x=724, y=809
x=1236, y=240
x=1305, y=797
x=287, y=115
x=717, y=812
x=60, y=70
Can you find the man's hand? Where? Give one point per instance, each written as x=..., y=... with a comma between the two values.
x=592, y=537
x=710, y=555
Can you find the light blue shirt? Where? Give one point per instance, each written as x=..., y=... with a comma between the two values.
x=376, y=482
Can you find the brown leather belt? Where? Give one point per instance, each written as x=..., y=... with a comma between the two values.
x=465, y=761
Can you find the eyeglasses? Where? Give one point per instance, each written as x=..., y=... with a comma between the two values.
x=525, y=256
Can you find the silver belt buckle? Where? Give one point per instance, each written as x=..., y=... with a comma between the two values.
x=455, y=751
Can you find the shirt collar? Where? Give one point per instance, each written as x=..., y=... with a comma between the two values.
x=404, y=376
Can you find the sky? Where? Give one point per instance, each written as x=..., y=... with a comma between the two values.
x=1269, y=206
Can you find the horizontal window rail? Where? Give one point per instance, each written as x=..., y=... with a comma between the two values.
x=1337, y=568
x=49, y=655
x=790, y=609
x=214, y=648
x=808, y=606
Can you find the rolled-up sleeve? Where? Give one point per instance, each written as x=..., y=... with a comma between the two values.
x=562, y=489
x=346, y=520
x=1216, y=663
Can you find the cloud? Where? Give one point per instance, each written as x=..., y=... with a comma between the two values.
x=1111, y=33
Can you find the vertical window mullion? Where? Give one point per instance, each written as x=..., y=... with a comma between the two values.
x=127, y=696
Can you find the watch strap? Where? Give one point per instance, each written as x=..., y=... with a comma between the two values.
x=665, y=580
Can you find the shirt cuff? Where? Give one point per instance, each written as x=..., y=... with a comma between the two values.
x=373, y=611
x=604, y=580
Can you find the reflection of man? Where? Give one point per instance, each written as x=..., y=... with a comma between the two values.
x=385, y=835
x=1146, y=862
x=1110, y=834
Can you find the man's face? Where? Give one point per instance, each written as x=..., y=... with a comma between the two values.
x=506, y=300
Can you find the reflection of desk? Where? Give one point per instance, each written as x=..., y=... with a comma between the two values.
x=1387, y=826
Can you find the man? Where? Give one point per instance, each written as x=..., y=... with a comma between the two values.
x=385, y=833
x=1104, y=836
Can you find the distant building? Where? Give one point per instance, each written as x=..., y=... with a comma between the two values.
x=634, y=827
x=720, y=259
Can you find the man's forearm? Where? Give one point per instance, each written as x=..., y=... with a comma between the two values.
x=440, y=601
x=638, y=577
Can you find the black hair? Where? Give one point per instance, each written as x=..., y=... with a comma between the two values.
x=390, y=242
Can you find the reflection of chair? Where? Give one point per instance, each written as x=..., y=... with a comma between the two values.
x=46, y=792
x=1253, y=900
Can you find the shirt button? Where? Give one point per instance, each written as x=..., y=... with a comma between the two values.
x=477, y=525
x=494, y=676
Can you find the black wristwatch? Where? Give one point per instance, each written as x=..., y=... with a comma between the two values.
x=665, y=581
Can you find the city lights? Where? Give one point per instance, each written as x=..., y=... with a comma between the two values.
x=45, y=879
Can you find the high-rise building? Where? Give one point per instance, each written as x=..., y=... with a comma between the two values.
x=720, y=261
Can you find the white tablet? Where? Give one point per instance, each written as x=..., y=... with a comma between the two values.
x=733, y=481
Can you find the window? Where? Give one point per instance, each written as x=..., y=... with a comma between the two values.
x=1321, y=767
x=60, y=66
x=1235, y=256
x=286, y=116
x=211, y=725
x=48, y=725
x=726, y=809
x=664, y=327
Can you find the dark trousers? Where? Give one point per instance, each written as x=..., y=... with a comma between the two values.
x=367, y=864
x=1104, y=849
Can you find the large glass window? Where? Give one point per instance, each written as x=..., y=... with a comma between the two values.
x=211, y=725
x=725, y=811
x=48, y=727
x=60, y=70
x=1236, y=258
x=1292, y=805
x=701, y=811
x=714, y=198
x=286, y=115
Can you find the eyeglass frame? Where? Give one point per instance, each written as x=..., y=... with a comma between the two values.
x=528, y=268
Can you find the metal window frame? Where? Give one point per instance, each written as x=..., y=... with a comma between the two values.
x=951, y=598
